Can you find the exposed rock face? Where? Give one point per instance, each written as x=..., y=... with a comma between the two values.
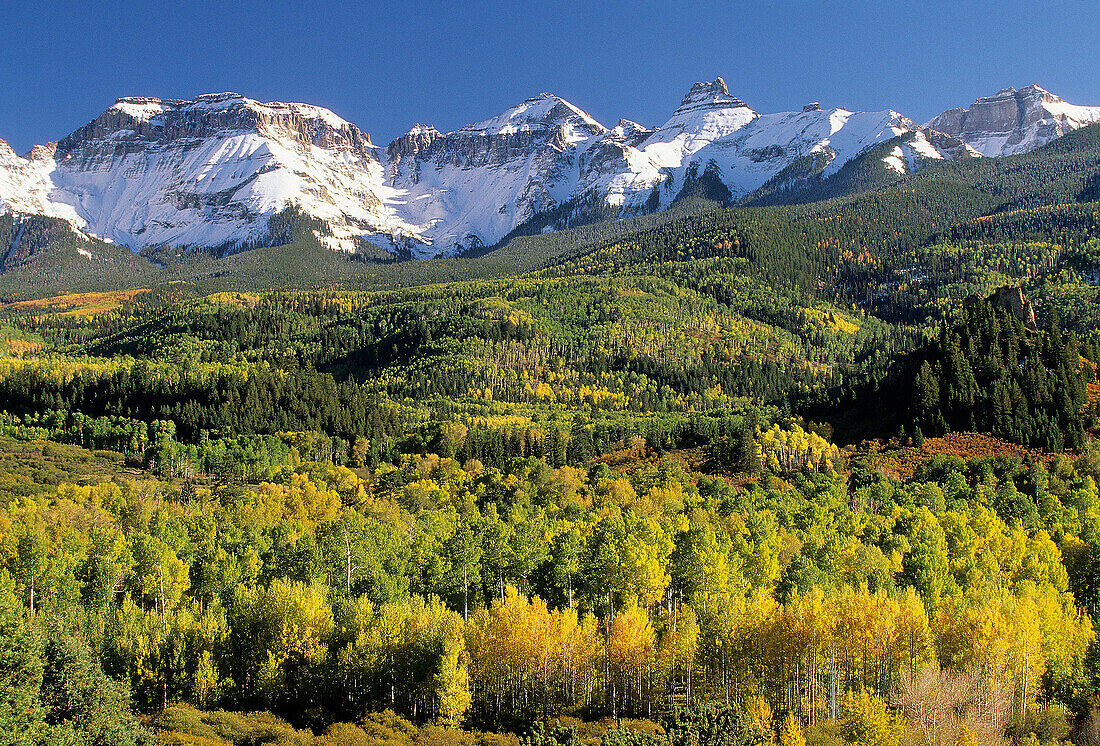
x=1014, y=121
x=135, y=123
x=1013, y=300
x=629, y=133
x=415, y=141
x=712, y=95
x=409, y=146
x=952, y=147
x=42, y=152
x=814, y=106
x=211, y=172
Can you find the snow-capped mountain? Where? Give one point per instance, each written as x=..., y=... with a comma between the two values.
x=476, y=184
x=205, y=173
x=25, y=185
x=211, y=172
x=1014, y=121
x=747, y=149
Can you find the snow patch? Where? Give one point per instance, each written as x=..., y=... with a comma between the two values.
x=896, y=160
x=139, y=187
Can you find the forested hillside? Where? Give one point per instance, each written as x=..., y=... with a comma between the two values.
x=787, y=474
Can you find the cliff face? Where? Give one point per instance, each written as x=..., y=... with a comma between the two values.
x=211, y=172
x=1014, y=121
x=1013, y=300
x=140, y=123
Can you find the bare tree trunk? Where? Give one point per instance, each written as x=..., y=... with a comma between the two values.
x=832, y=685
x=163, y=605
x=347, y=551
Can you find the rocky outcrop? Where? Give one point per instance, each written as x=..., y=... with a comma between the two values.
x=1013, y=300
x=139, y=122
x=709, y=95
x=952, y=147
x=1014, y=121
x=408, y=148
x=629, y=133
x=417, y=140
x=211, y=172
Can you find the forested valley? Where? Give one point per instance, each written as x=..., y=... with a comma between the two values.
x=814, y=474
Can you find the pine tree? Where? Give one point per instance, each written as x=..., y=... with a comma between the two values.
x=21, y=714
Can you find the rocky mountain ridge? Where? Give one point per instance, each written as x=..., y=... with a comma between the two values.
x=210, y=172
x=1014, y=121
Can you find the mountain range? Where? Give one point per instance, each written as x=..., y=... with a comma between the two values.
x=211, y=173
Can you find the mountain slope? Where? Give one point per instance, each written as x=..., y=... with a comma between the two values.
x=161, y=176
x=471, y=187
x=1011, y=121
x=208, y=173
x=881, y=165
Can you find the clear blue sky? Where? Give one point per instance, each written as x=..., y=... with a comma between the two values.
x=386, y=66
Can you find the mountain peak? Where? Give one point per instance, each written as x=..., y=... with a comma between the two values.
x=218, y=97
x=418, y=138
x=1001, y=94
x=421, y=129
x=542, y=112
x=41, y=152
x=709, y=95
x=225, y=105
x=140, y=108
x=716, y=87
x=1033, y=92
x=1014, y=121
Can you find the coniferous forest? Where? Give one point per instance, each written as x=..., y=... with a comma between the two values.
x=813, y=474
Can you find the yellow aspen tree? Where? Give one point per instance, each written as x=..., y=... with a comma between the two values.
x=790, y=732
x=757, y=715
x=866, y=721
x=631, y=648
x=913, y=646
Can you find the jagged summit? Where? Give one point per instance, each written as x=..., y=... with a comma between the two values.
x=709, y=95
x=40, y=152
x=211, y=171
x=420, y=129
x=706, y=115
x=541, y=112
x=1014, y=121
x=418, y=138
x=629, y=132
x=1031, y=91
